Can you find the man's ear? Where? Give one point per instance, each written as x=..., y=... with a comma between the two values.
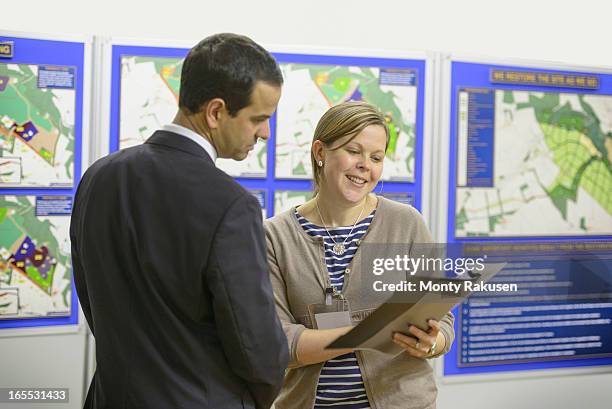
x=213, y=111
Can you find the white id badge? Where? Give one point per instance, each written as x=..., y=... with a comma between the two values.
x=328, y=316
x=329, y=320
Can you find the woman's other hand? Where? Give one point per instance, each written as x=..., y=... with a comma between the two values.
x=419, y=343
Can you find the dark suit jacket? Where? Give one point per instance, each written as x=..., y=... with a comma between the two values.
x=170, y=268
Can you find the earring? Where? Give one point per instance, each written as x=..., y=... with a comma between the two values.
x=320, y=163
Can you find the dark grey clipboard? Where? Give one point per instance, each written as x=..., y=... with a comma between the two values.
x=375, y=331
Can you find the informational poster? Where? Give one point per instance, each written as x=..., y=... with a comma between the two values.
x=35, y=272
x=42, y=106
x=530, y=182
x=314, y=83
x=311, y=89
x=37, y=125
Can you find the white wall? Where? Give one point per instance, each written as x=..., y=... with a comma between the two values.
x=561, y=392
x=43, y=360
x=570, y=31
x=575, y=32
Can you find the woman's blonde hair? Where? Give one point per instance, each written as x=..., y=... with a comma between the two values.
x=348, y=118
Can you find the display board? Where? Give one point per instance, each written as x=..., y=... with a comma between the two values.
x=311, y=89
x=42, y=87
x=530, y=176
x=145, y=82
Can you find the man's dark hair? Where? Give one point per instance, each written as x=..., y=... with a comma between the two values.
x=225, y=66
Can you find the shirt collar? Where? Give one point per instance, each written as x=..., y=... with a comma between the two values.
x=197, y=138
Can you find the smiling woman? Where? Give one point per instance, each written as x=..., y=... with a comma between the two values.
x=340, y=126
x=351, y=165
x=348, y=151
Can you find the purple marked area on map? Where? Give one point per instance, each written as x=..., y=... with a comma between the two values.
x=357, y=96
x=27, y=131
x=3, y=82
x=26, y=250
x=28, y=254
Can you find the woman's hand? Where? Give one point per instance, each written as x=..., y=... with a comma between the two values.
x=419, y=343
x=311, y=345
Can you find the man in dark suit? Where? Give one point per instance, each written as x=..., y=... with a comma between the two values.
x=169, y=251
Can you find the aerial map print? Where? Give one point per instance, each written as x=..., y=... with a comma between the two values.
x=149, y=99
x=312, y=89
x=35, y=266
x=37, y=119
x=552, y=169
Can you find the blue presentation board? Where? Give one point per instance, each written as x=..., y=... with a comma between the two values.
x=144, y=96
x=530, y=173
x=42, y=88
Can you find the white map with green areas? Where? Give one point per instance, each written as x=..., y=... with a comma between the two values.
x=35, y=266
x=149, y=99
x=311, y=89
x=552, y=169
x=37, y=133
x=286, y=199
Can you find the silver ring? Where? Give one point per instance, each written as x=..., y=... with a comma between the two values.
x=417, y=345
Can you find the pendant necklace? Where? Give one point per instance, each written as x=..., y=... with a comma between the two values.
x=338, y=248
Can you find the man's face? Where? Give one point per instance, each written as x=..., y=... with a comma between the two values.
x=238, y=134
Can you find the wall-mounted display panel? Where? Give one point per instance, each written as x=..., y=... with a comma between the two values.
x=313, y=85
x=43, y=117
x=530, y=174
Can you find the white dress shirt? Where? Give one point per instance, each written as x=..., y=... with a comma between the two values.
x=197, y=138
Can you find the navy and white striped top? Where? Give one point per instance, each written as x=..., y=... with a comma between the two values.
x=340, y=383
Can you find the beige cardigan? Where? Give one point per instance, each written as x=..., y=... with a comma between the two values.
x=299, y=277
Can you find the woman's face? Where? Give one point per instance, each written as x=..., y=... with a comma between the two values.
x=351, y=172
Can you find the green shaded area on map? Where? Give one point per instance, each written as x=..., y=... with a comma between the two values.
x=579, y=150
x=460, y=219
x=9, y=230
x=45, y=283
x=508, y=97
